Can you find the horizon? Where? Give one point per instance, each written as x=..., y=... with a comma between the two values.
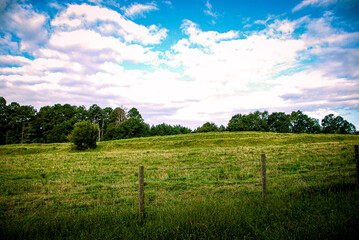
x=183, y=62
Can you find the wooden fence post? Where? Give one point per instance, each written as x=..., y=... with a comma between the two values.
x=357, y=161
x=141, y=191
x=264, y=176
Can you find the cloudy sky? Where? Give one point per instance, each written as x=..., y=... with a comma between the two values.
x=183, y=61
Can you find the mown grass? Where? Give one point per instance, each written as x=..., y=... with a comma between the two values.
x=197, y=186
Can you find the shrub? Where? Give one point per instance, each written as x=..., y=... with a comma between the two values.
x=84, y=135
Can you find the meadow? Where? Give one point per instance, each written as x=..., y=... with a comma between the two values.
x=197, y=186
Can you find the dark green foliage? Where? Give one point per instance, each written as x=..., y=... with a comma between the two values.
x=134, y=113
x=337, y=124
x=296, y=122
x=208, y=127
x=54, y=123
x=84, y=135
x=117, y=116
x=60, y=132
x=301, y=123
x=256, y=121
x=165, y=130
x=161, y=130
x=133, y=127
x=279, y=122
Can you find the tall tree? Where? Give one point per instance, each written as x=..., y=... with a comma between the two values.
x=134, y=113
x=279, y=122
x=332, y=124
x=256, y=121
x=24, y=115
x=301, y=123
x=95, y=115
x=118, y=116
x=4, y=120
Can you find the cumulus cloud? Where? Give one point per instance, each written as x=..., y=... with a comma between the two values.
x=96, y=55
x=107, y=21
x=205, y=38
x=13, y=60
x=27, y=24
x=137, y=9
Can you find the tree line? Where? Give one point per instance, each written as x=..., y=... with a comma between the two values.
x=53, y=124
x=296, y=122
x=24, y=124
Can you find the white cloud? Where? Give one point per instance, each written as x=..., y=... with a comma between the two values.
x=82, y=16
x=137, y=9
x=205, y=76
x=316, y=3
x=27, y=24
x=169, y=3
x=205, y=38
x=210, y=12
x=13, y=60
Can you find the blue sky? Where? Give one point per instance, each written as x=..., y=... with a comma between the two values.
x=183, y=62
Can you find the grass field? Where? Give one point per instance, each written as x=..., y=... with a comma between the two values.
x=197, y=186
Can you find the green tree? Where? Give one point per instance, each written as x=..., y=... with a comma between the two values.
x=84, y=135
x=117, y=116
x=279, y=122
x=161, y=130
x=4, y=119
x=332, y=124
x=81, y=114
x=60, y=132
x=256, y=121
x=301, y=123
x=134, y=113
x=133, y=127
x=208, y=127
x=222, y=128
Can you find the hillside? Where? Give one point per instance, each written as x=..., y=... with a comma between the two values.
x=186, y=177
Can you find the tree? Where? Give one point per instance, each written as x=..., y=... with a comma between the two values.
x=301, y=123
x=164, y=130
x=95, y=115
x=134, y=113
x=84, y=135
x=222, y=128
x=81, y=114
x=161, y=130
x=256, y=121
x=24, y=115
x=4, y=119
x=133, y=127
x=60, y=132
x=337, y=124
x=208, y=127
x=279, y=122
x=117, y=116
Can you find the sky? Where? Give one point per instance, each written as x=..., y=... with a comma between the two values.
x=183, y=61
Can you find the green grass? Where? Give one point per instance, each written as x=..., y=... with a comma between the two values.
x=197, y=186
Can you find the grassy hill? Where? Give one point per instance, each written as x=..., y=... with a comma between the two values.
x=197, y=186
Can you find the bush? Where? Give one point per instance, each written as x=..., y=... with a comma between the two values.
x=84, y=135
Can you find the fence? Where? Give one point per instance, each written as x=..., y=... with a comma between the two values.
x=145, y=187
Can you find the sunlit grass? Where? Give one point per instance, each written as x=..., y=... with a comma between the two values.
x=183, y=172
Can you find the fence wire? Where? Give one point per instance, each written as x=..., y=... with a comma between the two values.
x=171, y=184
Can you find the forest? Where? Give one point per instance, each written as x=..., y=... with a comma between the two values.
x=54, y=124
